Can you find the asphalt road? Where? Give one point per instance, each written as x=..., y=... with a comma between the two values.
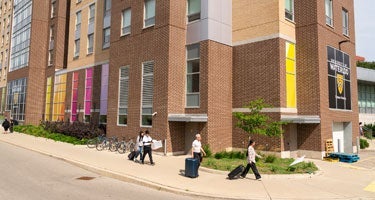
x=26, y=175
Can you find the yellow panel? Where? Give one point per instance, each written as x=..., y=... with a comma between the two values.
x=290, y=66
x=63, y=78
x=291, y=97
x=290, y=50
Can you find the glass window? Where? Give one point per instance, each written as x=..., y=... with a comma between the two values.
x=78, y=17
x=149, y=16
x=104, y=94
x=59, y=93
x=76, y=48
x=16, y=98
x=194, y=10
x=74, y=111
x=123, y=96
x=147, y=93
x=329, y=12
x=106, y=37
x=88, y=91
x=289, y=9
x=192, y=76
x=47, y=112
x=90, y=43
x=92, y=13
x=345, y=22
x=126, y=22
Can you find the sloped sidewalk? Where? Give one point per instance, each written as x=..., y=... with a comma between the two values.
x=166, y=175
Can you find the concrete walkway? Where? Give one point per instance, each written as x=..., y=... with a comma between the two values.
x=334, y=181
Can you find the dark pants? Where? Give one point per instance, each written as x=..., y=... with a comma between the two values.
x=198, y=156
x=147, y=150
x=254, y=168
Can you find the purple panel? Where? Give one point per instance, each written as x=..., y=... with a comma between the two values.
x=104, y=90
x=89, y=73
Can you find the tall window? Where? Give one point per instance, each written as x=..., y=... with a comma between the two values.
x=59, y=94
x=366, y=98
x=53, y=9
x=78, y=20
x=106, y=37
x=345, y=22
x=3, y=99
x=192, y=77
x=51, y=45
x=123, y=96
x=289, y=9
x=92, y=13
x=147, y=93
x=88, y=94
x=329, y=12
x=107, y=7
x=16, y=98
x=149, y=15
x=126, y=22
x=74, y=97
x=291, y=90
x=90, y=43
x=47, y=112
x=76, y=47
x=194, y=10
x=104, y=94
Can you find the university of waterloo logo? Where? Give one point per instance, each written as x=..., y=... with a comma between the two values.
x=340, y=83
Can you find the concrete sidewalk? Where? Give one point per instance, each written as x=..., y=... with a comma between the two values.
x=333, y=182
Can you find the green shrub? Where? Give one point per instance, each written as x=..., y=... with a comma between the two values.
x=230, y=155
x=219, y=155
x=270, y=159
x=291, y=168
x=363, y=143
x=207, y=149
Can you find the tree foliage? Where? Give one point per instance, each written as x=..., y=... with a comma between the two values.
x=256, y=122
x=368, y=65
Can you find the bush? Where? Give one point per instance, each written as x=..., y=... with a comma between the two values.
x=363, y=143
x=207, y=149
x=270, y=159
x=78, y=130
x=230, y=155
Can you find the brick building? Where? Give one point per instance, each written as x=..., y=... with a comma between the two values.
x=38, y=45
x=183, y=67
x=6, y=10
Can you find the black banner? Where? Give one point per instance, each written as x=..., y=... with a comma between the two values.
x=338, y=79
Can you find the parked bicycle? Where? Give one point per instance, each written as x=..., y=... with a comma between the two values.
x=92, y=143
x=105, y=144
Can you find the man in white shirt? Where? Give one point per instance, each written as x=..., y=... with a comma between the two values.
x=147, y=141
x=251, y=161
x=197, y=150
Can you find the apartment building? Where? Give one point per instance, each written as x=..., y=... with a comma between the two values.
x=37, y=41
x=6, y=9
x=183, y=67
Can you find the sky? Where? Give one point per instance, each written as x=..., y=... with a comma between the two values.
x=364, y=13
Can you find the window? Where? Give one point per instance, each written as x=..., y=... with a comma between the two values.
x=79, y=1
x=147, y=93
x=329, y=12
x=76, y=48
x=74, y=106
x=149, y=15
x=16, y=98
x=53, y=9
x=126, y=22
x=47, y=112
x=289, y=9
x=59, y=93
x=192, y=76
x=291, y=90
x=123, y=96
x=366, y=98
x=92, y=13
x=90, y=43
x=88, y=93
x=78, y=19
x=345, y=22
x=106, y=37
x=194, y=10
x=104, y=94
x=107, y=7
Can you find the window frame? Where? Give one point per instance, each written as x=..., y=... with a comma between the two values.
x=193, y=16
x=329, y=19
x=90, y=50
x=127, y=67
x=123, y=33
x=106, y=45
x=289, y=12
x=152, y=19
x=142, y=90
x=345, y=18
x=187, y=93
x=77, y=47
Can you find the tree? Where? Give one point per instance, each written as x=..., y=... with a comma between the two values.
x=255, y=122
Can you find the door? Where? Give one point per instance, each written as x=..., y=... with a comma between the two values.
x=338, y=137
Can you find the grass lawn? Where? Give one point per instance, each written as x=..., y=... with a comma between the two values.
x=39, y=131
x=266, y=165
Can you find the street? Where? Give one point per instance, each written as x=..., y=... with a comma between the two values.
x=29, y=175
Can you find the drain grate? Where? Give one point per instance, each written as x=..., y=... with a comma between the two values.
x=85, y=178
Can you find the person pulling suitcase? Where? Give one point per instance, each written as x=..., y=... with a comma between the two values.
x=197, y=149
x=251, y=154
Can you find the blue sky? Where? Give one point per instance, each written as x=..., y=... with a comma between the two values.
x=365, y=28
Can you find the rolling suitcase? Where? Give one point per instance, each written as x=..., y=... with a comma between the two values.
x=236, y=172
x=131, y=155
x=191, y=167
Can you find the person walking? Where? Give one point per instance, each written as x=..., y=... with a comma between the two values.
x=11, y=125
x=197, y=149
x=251, y=161
x=139, y=146
x=6, y=125
x=147, y=141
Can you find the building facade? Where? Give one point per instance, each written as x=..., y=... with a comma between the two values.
x=6, y=9
x=37, y=42
x=366, y=95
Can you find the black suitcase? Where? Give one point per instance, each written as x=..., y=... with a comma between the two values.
x=236, y=172
x=191, y=167
x=131, y=155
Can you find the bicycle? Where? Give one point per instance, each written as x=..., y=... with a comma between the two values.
x=104, y=144
x=93, y=142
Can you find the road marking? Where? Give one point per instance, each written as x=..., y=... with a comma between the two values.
x=371, y=187
x=352, y=167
